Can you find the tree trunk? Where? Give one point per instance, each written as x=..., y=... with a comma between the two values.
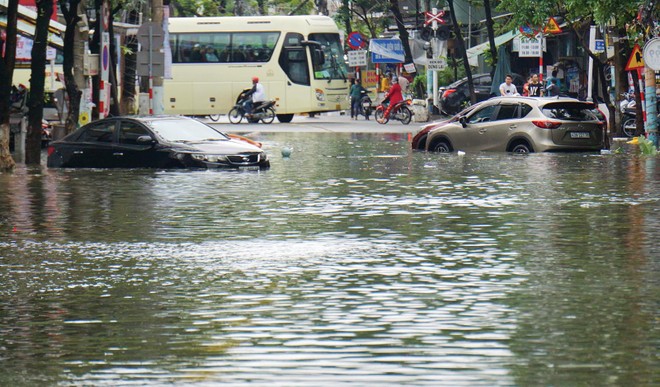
x=70, y=13
x=491, y=36
x=7, y=63
x=403, y=32
x=37, y=79
x=128, y=101
x=461, y=48
x=346, y=15
x=112, y=76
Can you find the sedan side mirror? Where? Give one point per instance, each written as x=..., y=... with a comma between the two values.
x=145, y=140
x=463, y=121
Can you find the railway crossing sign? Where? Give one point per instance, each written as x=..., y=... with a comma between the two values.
x=430, y=17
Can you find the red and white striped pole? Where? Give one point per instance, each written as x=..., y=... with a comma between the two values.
x=151, y=95
x=641, y=92
x=101, y=99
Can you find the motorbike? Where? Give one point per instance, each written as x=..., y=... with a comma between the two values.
x=365, y=104
x=400, y=112
x=261, y=111
x=628, y=110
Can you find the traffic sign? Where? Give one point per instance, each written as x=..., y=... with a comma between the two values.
x=430, y=17
x=356, y=40
x=652, y=54
x=552, y=27
x=150, y=35
x=157, y=65
x=357, y=58
x=436, y=64
x=599, y=46
x=386, y=51
x=528, y=31
x=636, y=61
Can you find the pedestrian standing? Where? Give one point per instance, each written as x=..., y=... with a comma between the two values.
x=508, y=89
x=356, y=97
x=535, y=88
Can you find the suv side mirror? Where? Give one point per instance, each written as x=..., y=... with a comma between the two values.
x=463, y=121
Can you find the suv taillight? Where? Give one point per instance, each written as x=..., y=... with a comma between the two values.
x=448, y=92
x=51, y=150
x=545, y=124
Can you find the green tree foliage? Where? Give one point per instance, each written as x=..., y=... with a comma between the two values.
x=536, y=12
x=365, y=16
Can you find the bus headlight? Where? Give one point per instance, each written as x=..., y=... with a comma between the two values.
x=320, y=95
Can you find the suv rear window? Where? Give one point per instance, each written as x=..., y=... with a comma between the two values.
x=569, y=111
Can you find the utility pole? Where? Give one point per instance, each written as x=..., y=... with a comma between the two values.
x=158, y=91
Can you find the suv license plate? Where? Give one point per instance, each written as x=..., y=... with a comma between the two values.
x=580, y=135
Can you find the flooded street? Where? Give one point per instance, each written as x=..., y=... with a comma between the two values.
x=353, y=262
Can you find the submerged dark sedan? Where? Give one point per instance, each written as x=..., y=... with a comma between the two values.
x=153, y=142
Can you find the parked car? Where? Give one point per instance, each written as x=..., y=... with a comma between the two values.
x=519, y=125
x=456, y=97
x=153, y=142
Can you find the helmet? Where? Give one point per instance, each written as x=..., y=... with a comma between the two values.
x=255, y=79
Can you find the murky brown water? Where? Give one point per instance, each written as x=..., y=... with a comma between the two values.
x=354, y=262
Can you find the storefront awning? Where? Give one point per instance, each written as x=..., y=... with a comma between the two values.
x=474, y=52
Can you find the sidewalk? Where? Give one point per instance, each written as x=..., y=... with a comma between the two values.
x=333, y=122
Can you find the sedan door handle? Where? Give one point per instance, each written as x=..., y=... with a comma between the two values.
x=118, y=154
x=513, y=126
x=483, y=130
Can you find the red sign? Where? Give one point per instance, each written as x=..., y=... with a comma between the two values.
x=32, y=4
x=356, y=40
x=434, y=17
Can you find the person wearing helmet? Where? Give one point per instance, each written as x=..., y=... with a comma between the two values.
x=393, y=96
x=258, y=94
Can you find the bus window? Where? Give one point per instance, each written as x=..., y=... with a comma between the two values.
x=333, y=67
x=223, y=47
x=293, y=59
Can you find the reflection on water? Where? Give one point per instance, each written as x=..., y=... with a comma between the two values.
x=353, y=262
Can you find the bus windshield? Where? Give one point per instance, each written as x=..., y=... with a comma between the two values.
x=334, y=66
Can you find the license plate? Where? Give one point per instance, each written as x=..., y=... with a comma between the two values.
x=580, y=135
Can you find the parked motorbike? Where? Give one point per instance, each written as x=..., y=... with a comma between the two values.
x=365, y=104
x=261, y=111
x=628, y=109
x=400, y=112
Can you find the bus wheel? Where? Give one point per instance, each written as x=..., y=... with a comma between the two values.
x=235, y=116
x=269, y=116
x=284, y=118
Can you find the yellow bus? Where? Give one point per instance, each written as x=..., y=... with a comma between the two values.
x=298, y=59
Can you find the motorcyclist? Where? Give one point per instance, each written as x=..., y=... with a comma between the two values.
x=394, y=96
x=257, y=94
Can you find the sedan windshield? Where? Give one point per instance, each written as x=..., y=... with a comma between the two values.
x=185, y=131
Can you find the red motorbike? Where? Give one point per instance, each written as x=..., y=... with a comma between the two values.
x=400, y=112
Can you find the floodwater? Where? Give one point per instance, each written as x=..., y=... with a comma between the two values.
x=355, y=262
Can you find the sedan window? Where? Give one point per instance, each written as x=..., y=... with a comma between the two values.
x=129, y=132
x=482, y=115
x=101, y=132
x=185, y=130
